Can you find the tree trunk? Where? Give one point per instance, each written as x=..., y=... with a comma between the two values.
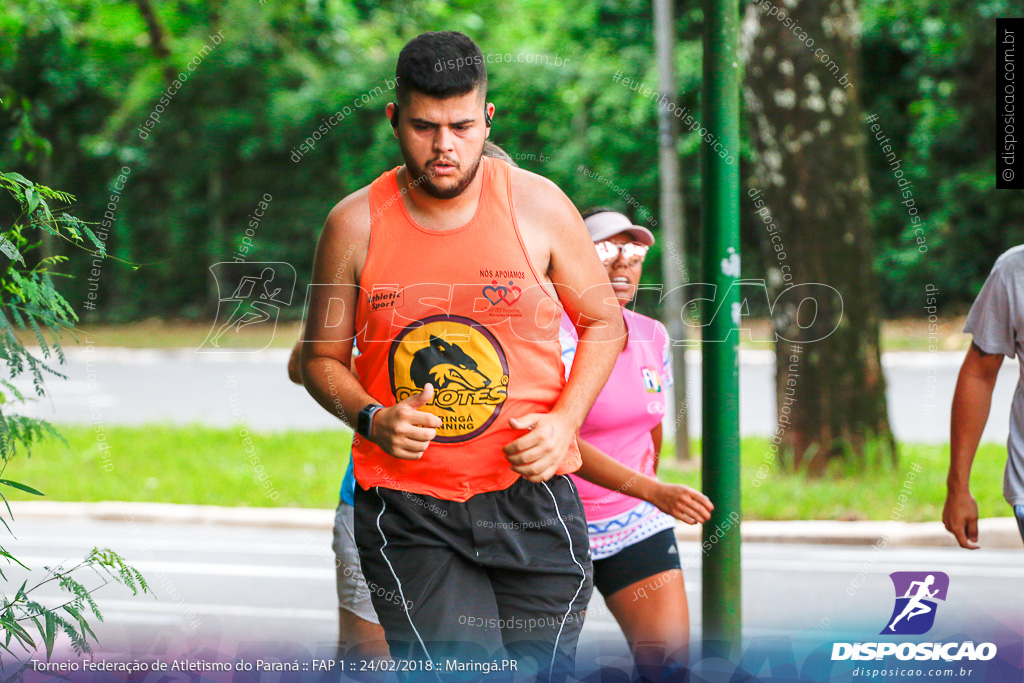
x=156, y=38
x=215, y=233
x=673, y=230
x=809, y=135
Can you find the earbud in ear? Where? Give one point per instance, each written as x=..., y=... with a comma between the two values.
x=394, y=115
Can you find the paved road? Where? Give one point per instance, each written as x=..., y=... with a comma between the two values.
x=116, y=386
x=250, y=587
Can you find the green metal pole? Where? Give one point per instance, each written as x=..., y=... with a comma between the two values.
x=720, y=436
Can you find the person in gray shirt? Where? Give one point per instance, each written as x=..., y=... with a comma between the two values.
x=997, y=322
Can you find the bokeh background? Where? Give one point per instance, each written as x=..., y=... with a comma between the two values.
x=80, y=78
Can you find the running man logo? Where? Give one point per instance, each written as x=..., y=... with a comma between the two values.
x=916, y=593
x=250, y=297
x=466, y=366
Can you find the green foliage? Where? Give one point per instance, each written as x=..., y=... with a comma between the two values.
x=29, y=298
x=280, y=72
x=90, y=77
x=929, y=69
x=20, y=615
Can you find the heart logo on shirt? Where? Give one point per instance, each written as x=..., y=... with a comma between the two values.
x=513, y=288
x=499, y=293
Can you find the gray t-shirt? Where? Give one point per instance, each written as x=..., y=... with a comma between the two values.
x=997, y=322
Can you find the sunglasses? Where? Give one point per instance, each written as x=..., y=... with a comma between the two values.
x=633, y=253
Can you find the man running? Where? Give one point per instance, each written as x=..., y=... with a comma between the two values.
x=248, y=310
x=358, y=627
x=915, y=606
x=451, y=272
x=998, y=331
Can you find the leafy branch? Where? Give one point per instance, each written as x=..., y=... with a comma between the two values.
x=21, y=613
x=29, y=301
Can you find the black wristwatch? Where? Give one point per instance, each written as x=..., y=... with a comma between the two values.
x=365, y=419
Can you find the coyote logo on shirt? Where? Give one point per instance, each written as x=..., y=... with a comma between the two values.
x=466, y=366
x=446, y=365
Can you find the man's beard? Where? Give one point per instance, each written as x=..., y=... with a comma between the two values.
x=419, y=176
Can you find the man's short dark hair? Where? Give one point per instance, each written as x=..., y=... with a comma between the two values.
x=440, y=64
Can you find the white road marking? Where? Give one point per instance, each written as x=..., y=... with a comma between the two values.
x=203, y=568
x=149, y=606
x=221, y=547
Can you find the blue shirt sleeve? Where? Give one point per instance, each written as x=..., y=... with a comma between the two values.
x=348, y=484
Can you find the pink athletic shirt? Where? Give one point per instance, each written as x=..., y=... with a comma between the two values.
x=630, y=405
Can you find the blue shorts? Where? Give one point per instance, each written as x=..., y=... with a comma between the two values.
x=1018, y=512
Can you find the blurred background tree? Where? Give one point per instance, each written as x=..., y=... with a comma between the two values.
x=929, y=71
x=91, y=73
x=808, y=131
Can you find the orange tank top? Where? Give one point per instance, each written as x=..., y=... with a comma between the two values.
x=464, y=310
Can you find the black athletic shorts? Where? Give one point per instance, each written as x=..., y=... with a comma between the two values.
x=505, y=575
x=649, y=557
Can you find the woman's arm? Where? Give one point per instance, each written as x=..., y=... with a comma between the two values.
x=600, y=468
x=682, y=502
x=656, y=436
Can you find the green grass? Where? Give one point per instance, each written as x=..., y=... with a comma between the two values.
x=209, y=466
x=860, y=496
x=195, y=464
x=156, y=333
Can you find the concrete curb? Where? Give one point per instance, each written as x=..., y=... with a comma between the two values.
x=997, y=532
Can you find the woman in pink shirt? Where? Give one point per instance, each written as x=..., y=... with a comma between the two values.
x=630, y=514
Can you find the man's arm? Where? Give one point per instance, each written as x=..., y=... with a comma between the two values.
x=401, y=430
x=682, y=502
x=971, y=403
x=585, y=292
x=329, y=334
